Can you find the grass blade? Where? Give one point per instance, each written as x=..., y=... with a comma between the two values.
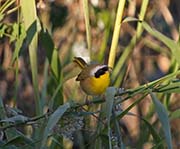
x=29, y=19
x=55, y=65
x=163, y=117
x=116, y=32
x=154, y=133
x=86, y=16
x=47, y=43
x=171, y=44
x=110, y=93
x=54, y=118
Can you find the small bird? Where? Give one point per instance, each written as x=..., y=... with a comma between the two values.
x=94, y=78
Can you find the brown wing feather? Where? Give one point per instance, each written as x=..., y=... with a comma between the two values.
x=85, y=73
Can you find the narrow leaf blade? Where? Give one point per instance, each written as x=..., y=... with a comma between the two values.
x=110, y=93
x=54, y=118
x=175, y=48
x=163, y=117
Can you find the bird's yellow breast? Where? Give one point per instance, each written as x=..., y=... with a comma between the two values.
x=95, y=86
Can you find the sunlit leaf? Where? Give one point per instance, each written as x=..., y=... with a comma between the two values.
x=175, y=48
x=3, y=27
x=1, y=16
x=174, y=87
x=29, y=14
x=55, y=64
x=19, y=39
x=129, y=19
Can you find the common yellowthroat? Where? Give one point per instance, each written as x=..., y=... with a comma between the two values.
x=94, y=78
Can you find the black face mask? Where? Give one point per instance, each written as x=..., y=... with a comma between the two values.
x=101, y=71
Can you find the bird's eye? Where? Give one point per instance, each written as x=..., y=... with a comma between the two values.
x=101, y=71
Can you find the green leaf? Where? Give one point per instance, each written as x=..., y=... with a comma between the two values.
x=1, y=17
x=14, y=141
x=57, y=97
x=163, y=117
x=171, y=44
x=175, y=114
x=53, y=120
x=29, y=14
x=56, y=142
x=44, y=87
x=130, y=19
x=15, y=32
x=27, y=7
x=19, y=39
x=117, y=131
x=55, y=65
x=18, y=140
x=56, y=81
x=154, y=133
x=15, y=119
x=110, y=93
x=47, y=43
x=172, y=87
x=3, y=27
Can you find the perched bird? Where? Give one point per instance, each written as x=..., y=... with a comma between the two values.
x=94, y=78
